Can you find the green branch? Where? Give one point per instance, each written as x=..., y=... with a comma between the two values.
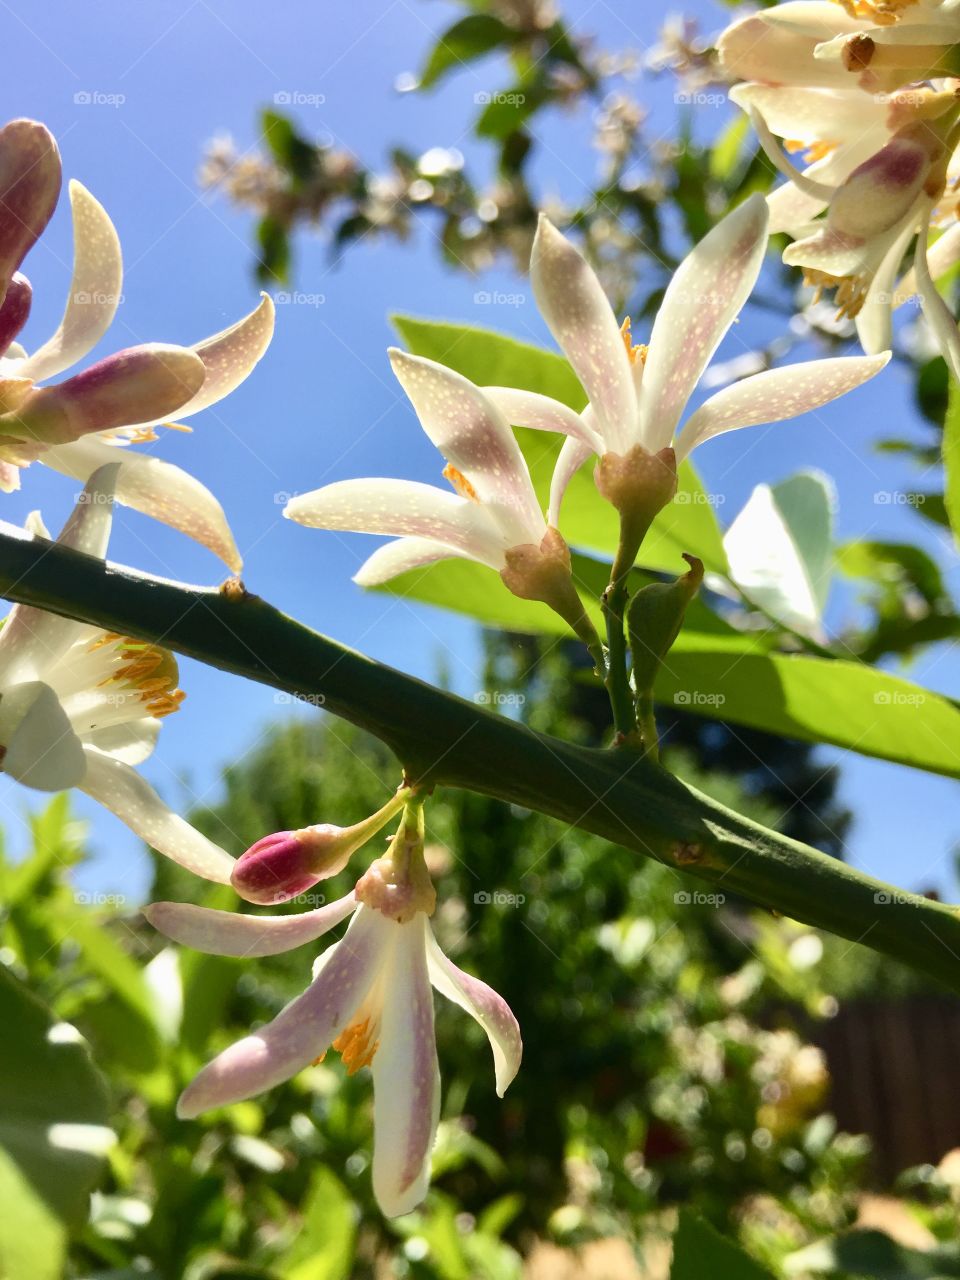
x=443, y=740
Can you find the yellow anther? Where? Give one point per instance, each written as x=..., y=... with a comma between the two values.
x=883, y=12
x=850, y=295
x=636, y=352
x=356, y=1046
x=460, y=482
x=811, y=151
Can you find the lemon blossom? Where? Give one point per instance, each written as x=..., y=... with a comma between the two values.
x=80, y=707
x=118, y=401
x=371, y=999
x=491, y=513
x=638, y=394
x=867, y=93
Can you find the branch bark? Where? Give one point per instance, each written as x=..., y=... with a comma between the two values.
x=445, y=741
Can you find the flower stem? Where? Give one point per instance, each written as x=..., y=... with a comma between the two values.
x=616, y=677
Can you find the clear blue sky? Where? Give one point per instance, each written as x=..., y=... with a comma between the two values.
x=323, y=405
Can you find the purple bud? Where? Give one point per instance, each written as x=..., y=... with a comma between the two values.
x=29, y=189
x=14, y=310
x=274, y=869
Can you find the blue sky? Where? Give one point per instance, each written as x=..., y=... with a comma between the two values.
x=322, y=405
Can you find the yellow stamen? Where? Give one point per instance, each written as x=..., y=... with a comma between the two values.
x=851, y=290
x=460, y=482
x=356, y=1046
x=811, y=151
x=144, y=670
x=883, y=12
x=635, y=352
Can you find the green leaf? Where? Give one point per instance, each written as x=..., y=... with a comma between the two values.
x=587, y=520
x=294, y=153
x=467, y=39
x=700, y=1252
x=951, y=459
x=53, y=1116
x=874, y=1254
x=324, y=1247
x=780, y=549
x=728, y=156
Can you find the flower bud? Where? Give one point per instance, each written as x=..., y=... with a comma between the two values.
x=29, y=189
x=14, y=310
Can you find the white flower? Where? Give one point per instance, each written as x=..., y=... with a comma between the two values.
x=492, y=509
x=371, y=1000
x=75, y=427
x=80, y=707
x=867, y=95
x=637, y=394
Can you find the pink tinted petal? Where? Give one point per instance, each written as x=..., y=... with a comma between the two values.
x=226, y=933
x=157, y=488
x=119, y=788
x=94, y=290
x=776, y=395
x=406, y=1078
x=530, y=409
x=398, y=557
x=778, y=46
x=228, y=358
x=108, y=395
x=14, y=311
x=304, y=1030
x=570, y=459
x=572, y=301
x=474, y=436
x=482, y=1003
x=29, y=190
x=702, y=300
x=401, y=508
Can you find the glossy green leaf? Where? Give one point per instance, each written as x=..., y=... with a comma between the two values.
x=470, y=38
x=490, y=359
x=53, y=1116
x=701, y=1253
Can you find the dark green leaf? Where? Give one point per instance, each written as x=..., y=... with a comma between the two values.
x=701, y=1253
x=466, y=40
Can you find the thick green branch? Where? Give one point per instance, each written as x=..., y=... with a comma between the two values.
x=444, y=740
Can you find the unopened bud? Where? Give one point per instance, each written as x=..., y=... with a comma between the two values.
x=654, y=618
x=29, y=188
x=14, y=310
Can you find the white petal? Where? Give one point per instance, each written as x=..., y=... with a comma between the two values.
x=776, y=395
x=474, y=436
x=303, y=1031
x=132, y=741
x=121, y=789
x=875, y=318
x=816, y=191
x=33, y=639
x=398, y=557
x=702, y=300
x=157, y=488
x=94, y=290
x=810, y=115
x=572, y=301
x=42, y=750
x=483, y=1003
x=227, y=933
x=530, y=409
x=943, y=254
x=229, y=358
x=938, y=315
x=406, y=1078
x=570, y=459
x=402, y=508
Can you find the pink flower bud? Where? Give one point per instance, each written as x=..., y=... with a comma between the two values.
x=29, y=188
x=281, y=866
x=14, y=310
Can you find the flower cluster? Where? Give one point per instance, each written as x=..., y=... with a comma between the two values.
x=81, y=707
x=866, y=94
